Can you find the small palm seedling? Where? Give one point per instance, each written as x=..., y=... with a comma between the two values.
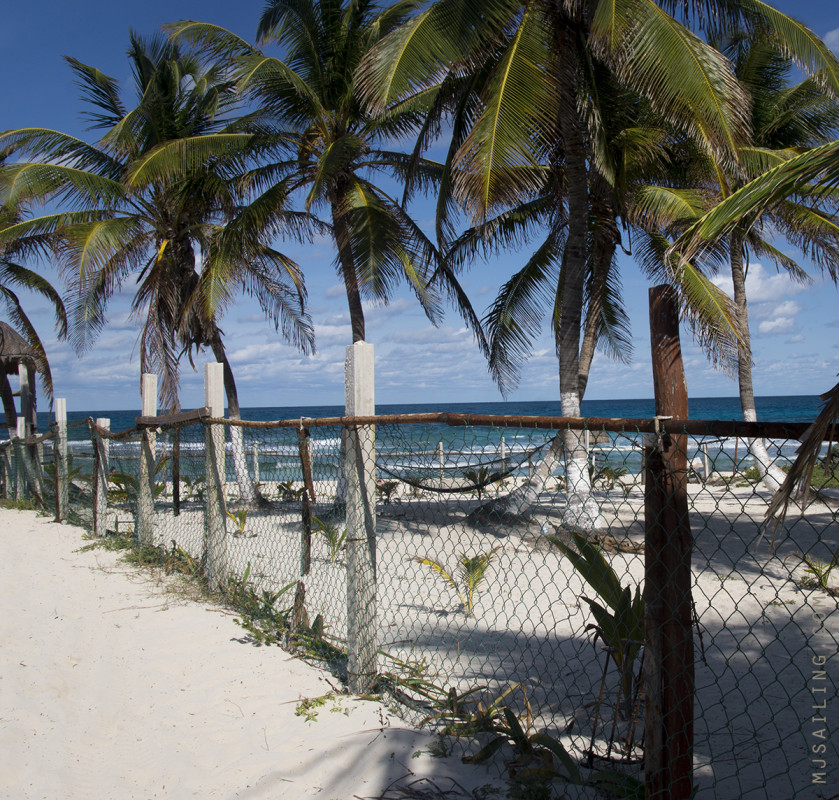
x=333, y=536
x=194, y=488
x=621, y=628
x=481, y=478
x=475, y=712
x=126, y=487
x=240, y=520
x=607, y=476
x=818, y=572
x=470, y=575
x=385, y=490
x=287, y=493
x=79, y=481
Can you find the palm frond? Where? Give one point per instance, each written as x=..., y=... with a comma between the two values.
x=498, y=161
x=688, y=82
x=817, y=166
x=799, y=477
x=516, y=315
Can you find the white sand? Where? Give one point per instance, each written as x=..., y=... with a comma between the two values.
x=162, y=693
x=113, y=687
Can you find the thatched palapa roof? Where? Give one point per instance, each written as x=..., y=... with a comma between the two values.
x=14, y=350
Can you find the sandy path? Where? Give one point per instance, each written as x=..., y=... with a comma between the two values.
x=110, y=686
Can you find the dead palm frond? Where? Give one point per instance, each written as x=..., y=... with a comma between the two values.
x=797, y=483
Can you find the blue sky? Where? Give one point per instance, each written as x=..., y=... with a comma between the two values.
x=795, y=329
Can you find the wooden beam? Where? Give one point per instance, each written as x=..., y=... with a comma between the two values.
x=668, y=606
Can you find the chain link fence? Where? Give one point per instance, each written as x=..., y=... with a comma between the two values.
x=491, y=577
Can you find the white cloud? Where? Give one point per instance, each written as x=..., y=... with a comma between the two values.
x=787, y=309
x=777, y=325
x=761, y=286
x=831, y=39
x=795, y=339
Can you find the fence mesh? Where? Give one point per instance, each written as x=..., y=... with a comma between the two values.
x=486, y=596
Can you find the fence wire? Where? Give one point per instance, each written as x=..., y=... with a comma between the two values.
x=509, y=570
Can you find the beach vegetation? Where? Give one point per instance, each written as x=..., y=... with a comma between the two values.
x=194, y=487
x=125, y=487
x=240, y=520
x=257, y=604
x=308, y=707
x=619, y=621
x=77, y=479
x=23, y=504
x=481, y=477
x=607, y=476
x=467, y=580
x=288, y=493
x=386, y=490
x=333, y=536
x=817, y=571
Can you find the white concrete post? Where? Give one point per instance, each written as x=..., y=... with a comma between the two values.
x=215, y=522
x=256, y=462
x=707, y=460
x=441, y=458
x=25, y=398
x=101, y=471
x=360, y=469
x=20, y=455
x=148, y=444
x=62, y=487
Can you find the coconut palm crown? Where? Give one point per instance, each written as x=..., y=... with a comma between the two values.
x=328, y=149
x=181, y=238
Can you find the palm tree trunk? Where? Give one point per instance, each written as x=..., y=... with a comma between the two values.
x=347, y=269
x=581, y=510
x=770, y=474
x=356, y=315
x=8, y=403
x=248, y=493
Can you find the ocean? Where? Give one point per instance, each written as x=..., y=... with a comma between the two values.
x=428, y=451
x=781, y=408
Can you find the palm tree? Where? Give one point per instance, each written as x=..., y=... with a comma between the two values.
x=532, y=113
x=639, y=194
x=13, y=277
x=785, y=120
x=330, y=148
x=802, y=177
x=189, y=239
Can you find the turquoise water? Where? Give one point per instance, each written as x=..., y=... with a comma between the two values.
x=782, y=408
x=431, y=452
